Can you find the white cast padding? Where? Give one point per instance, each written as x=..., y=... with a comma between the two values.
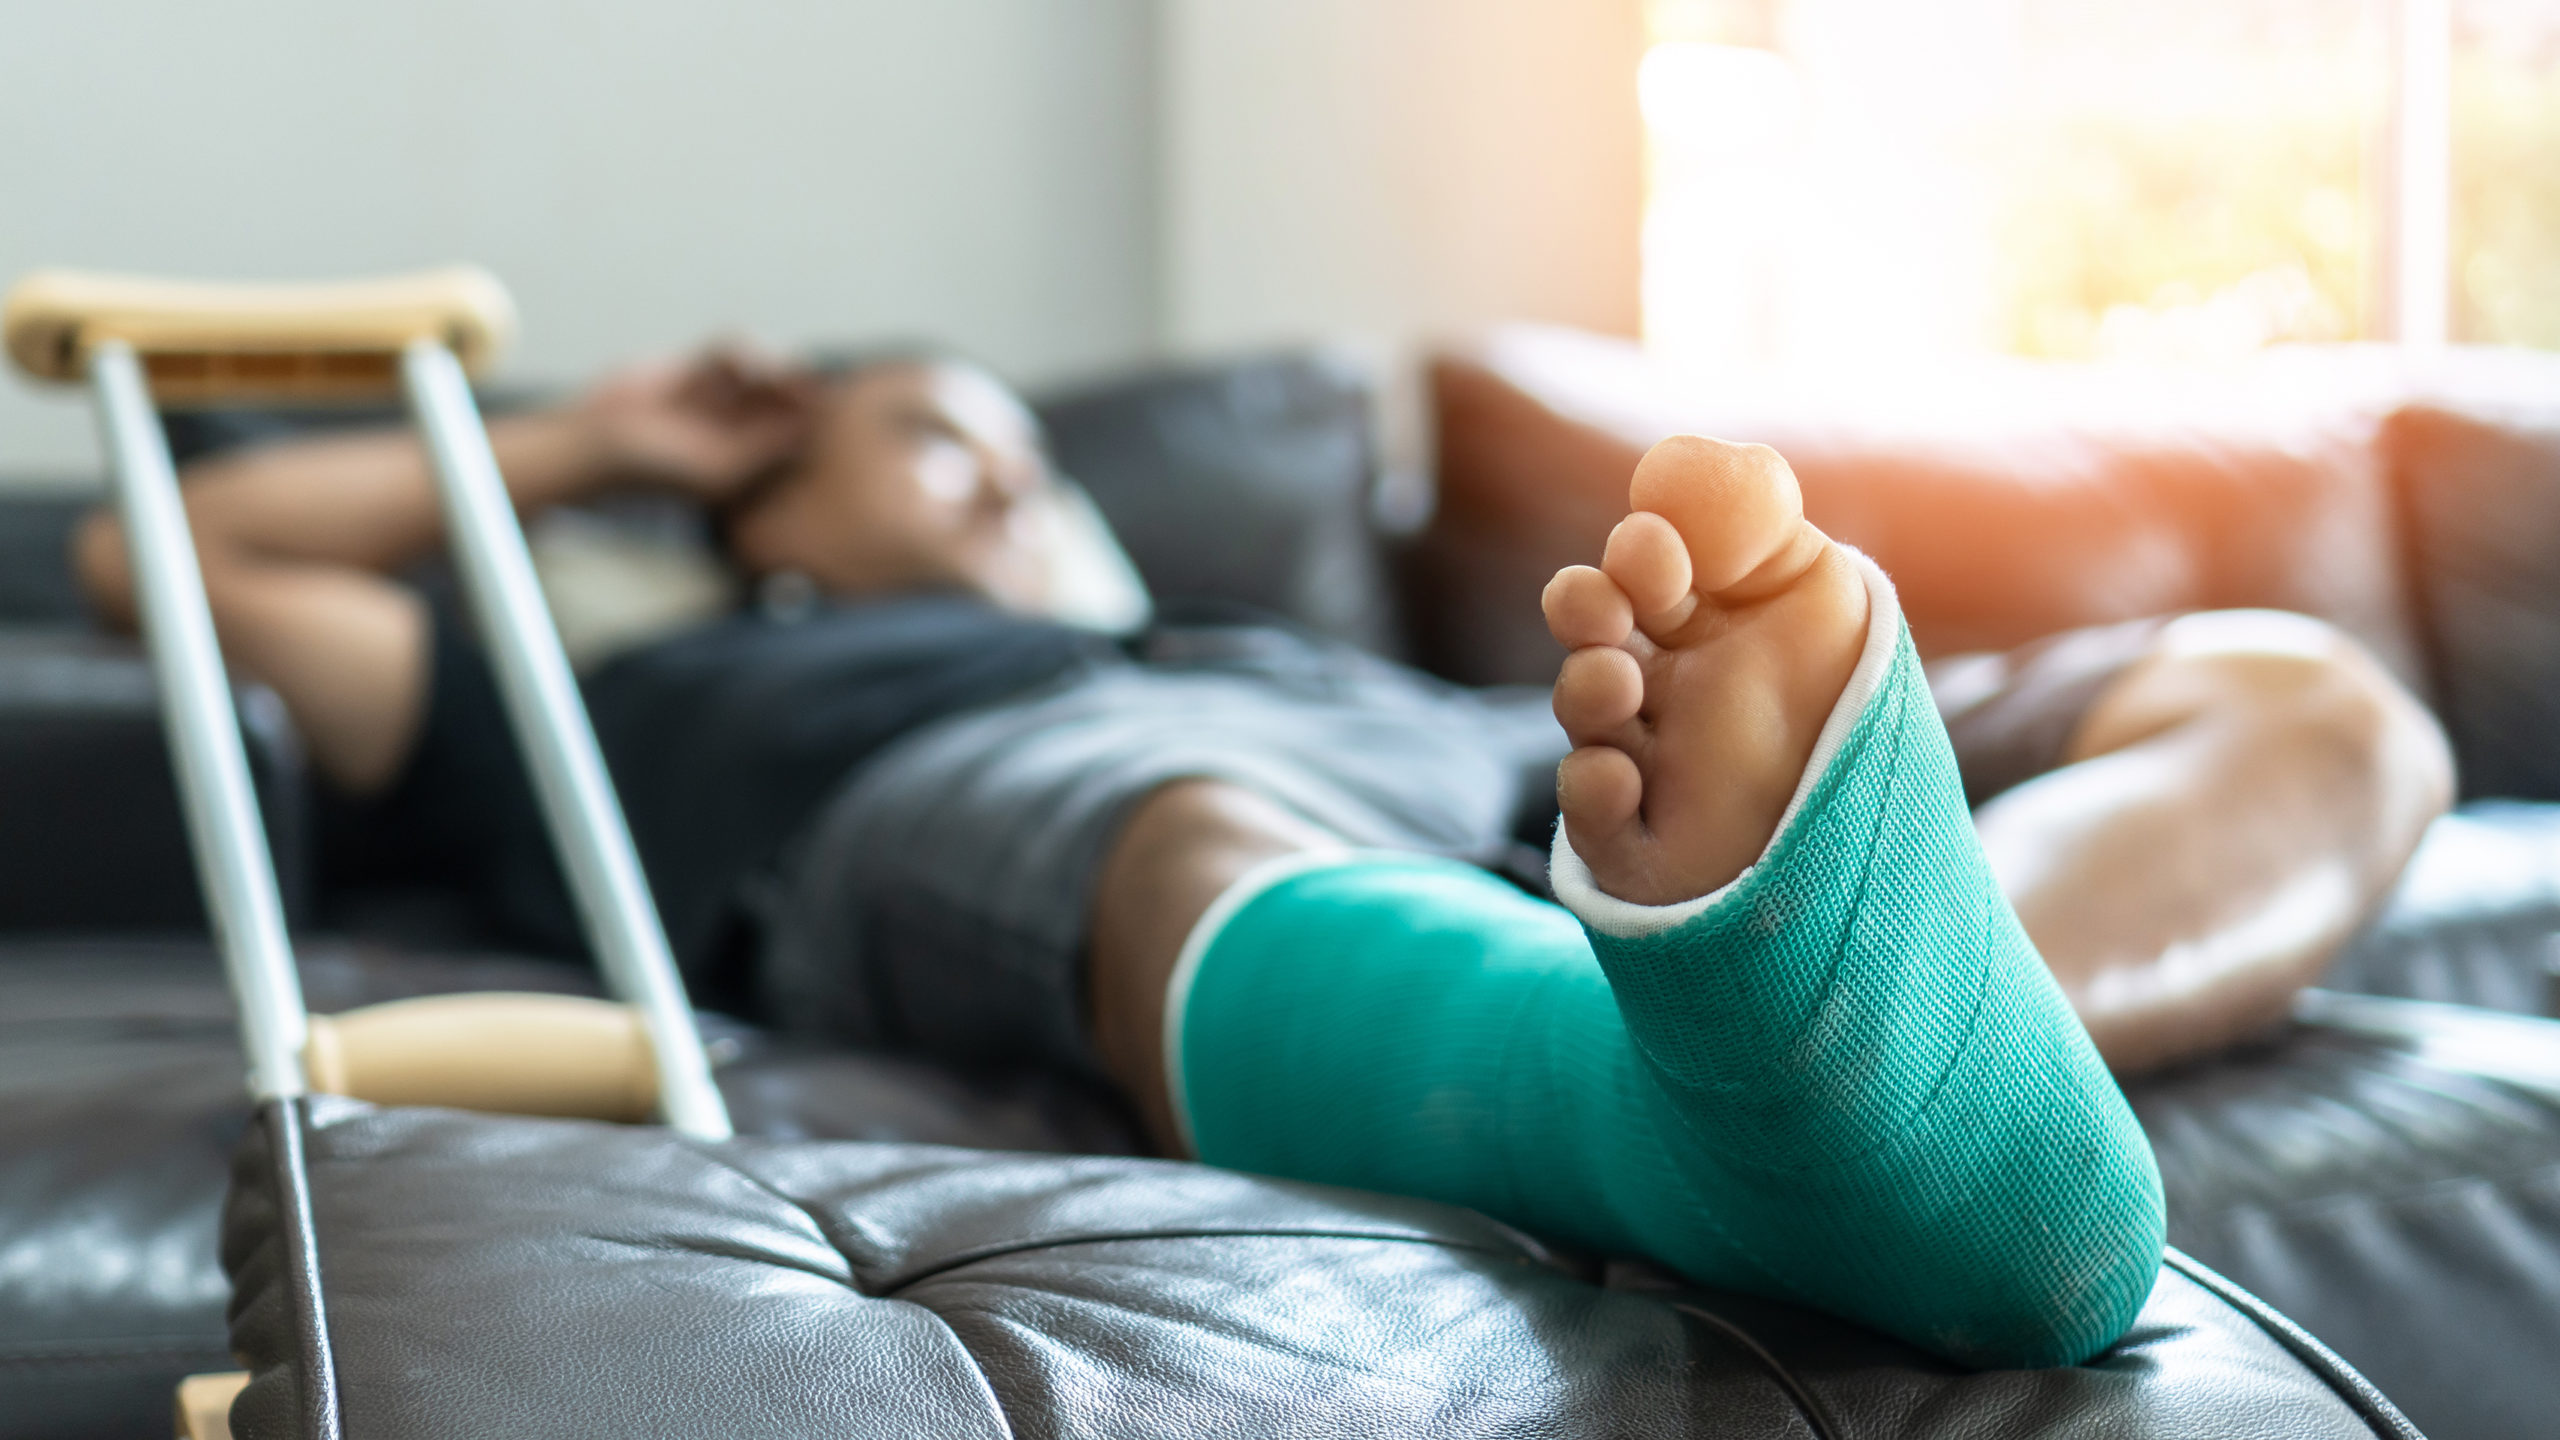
x=1204, y=933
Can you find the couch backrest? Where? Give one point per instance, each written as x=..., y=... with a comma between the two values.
x=2476, y=463
x=2020, y=502
x=1247, y=483
x=36, y=587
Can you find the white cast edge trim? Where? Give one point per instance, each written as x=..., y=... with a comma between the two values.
x=1626, y=920
x=1204, y=933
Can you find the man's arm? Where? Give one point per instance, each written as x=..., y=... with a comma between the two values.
x=298, y=541
x=2236, y=803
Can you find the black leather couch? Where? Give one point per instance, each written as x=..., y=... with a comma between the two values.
x=2385, y=1172
x=489, y=1275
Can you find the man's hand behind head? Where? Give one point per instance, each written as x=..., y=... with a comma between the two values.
x=707, y=425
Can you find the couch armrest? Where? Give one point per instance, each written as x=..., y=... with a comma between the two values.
x=36, y=584
x=93, y=838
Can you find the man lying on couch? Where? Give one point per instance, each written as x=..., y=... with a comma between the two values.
x=1784, y=1035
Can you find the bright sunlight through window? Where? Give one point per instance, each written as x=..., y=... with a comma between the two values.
x=1864, y=181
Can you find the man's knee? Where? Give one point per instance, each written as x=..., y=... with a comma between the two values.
x=1207, y=825
x=2287, y=685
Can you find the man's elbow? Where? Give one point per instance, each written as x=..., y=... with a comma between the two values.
x=2353, y=726
x=104, y=572
x=102, y=566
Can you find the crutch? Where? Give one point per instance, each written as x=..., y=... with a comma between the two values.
x=141, y=342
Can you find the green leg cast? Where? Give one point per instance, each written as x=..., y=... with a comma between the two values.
x=1845, y=1080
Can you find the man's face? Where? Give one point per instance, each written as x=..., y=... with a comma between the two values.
x=915, y=477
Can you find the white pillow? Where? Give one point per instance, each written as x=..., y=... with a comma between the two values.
x=1092, y=583
x=613, y=586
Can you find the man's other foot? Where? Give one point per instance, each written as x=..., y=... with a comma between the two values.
x=1708, y=649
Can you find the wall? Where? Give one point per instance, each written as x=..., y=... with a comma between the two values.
x=1396, y=168
x=1056, y=185
x=641, y=172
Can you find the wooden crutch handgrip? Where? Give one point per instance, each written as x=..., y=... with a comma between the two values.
x=203, y=342
x=204, y=1404
x=516, y=1054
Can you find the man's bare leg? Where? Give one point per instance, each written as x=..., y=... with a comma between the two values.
x=2237, y=803
x=1181, y=848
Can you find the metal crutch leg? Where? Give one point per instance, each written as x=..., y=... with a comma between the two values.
x=221, y=808
x=559, y=741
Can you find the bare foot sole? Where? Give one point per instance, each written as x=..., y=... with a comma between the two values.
x=1708, y=649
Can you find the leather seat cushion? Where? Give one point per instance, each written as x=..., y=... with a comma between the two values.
x=121, y=1104
x=2475, y=919
x=493, y=1275
x=2388, y=1175
x=2354, y=1178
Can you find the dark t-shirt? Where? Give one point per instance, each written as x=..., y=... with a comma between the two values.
x=722, y=742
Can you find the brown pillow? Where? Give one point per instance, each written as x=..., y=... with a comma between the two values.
x=2035, y=499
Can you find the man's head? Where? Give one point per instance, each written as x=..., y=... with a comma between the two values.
x=917, y=472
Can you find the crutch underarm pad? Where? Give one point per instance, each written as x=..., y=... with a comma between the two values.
x=201, y=342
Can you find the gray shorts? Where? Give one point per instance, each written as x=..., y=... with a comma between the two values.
x=939, y=901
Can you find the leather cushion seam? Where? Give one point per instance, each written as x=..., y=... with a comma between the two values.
x=2343, y=1380
x=967, y=1258
x=1808, y=1405
x=709, y=1150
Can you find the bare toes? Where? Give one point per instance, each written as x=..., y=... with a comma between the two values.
x=1736, y=507
x=1597, y=790
x=1585, y=607
x=1647, y=560
x=1599, y=690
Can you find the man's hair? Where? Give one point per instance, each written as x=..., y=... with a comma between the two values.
x=839, y=363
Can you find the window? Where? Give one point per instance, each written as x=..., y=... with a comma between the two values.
x=2505, y=182
x=1835, y=181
